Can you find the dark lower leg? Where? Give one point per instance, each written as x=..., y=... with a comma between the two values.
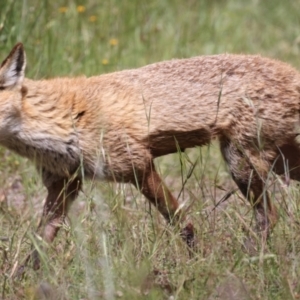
x=249, y=169
x=264, y=210
x=158, y=194
x=60, y=195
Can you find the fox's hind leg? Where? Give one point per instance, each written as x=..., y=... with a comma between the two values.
x=288, y=161
x=153, y=188
x=250, y=169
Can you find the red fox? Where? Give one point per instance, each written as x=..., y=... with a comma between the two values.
x=112, y=126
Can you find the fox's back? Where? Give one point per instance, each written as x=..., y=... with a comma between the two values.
x=178, y=103
x=203, y=96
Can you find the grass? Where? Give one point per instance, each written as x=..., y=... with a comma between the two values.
x=115, y=245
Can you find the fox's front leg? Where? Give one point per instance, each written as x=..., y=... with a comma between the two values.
x=155, y=190
x=61, y=193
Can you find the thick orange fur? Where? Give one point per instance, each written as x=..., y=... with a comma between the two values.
x=112, y=126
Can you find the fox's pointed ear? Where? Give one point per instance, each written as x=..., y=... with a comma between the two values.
x=13, y=67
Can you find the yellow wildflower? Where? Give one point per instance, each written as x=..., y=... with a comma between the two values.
x=80, y=8
x=113, y=42
x=92, y=18
x=105, y=61
x=63, y=9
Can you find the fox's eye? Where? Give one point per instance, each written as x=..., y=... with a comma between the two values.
x=79, y=115
x=2, y=88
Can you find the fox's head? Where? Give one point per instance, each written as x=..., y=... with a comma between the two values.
x=11, y=88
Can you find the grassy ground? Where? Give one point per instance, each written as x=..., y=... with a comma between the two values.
x=114, y=245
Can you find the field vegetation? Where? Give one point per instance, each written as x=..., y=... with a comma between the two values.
x=114, y=245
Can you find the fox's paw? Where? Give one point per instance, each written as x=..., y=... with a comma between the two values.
x=33, y=259
x=188, y=235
